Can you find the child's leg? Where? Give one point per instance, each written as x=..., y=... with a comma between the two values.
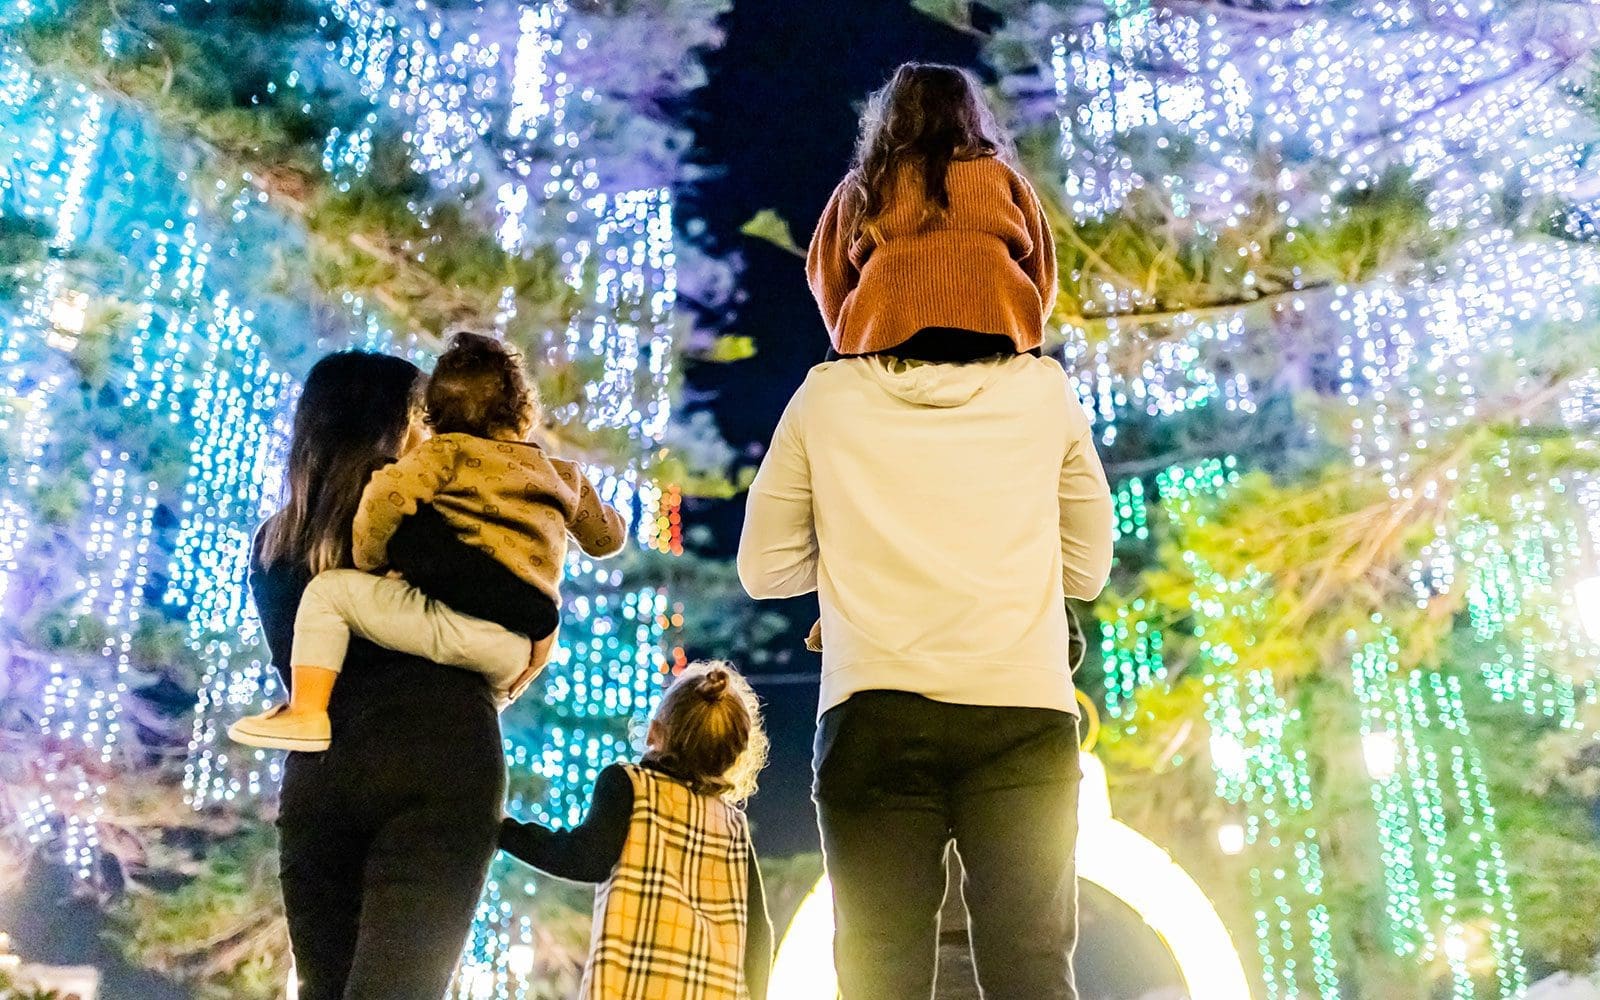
x=310, y=689
x=398, y=616
x=393, y=614
x=321, y=639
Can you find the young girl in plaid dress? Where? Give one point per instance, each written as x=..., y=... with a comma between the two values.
x=680, y=913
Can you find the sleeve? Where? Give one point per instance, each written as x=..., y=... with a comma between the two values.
x=589, y=851
x=596, y=526
x=829, y=270
x=1086, y=515
x=1040, y=263
x=758, y=948
x=394, y=492
x=778, y=547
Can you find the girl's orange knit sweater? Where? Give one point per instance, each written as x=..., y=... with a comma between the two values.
x=988, y=264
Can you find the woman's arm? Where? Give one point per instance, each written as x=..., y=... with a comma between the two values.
x=589, y=851
x=778, y=547
x=276, y=592
x=1040, y=263
x=395, y=491
x=829, y=270
x=758, y=936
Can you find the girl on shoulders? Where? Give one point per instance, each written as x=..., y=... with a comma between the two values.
x=933, y=248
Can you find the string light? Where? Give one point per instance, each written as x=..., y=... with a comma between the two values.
x=1434, y=814
x=204, y=369
x=1380, y=753
x=49, y=162
x=1131, y=648
x=441, y=86
x=1484, y=110
x=1259, y=769
x=1170, y=380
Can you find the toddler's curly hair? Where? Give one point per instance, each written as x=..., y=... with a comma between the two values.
x=480, y=387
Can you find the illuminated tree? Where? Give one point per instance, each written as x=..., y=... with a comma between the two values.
x=201, y=197
x=1328, y=274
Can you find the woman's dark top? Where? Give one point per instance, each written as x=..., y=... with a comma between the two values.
x=386, y=837
x=589, y=851
x=949, y=345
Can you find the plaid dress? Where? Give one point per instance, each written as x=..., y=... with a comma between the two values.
x=670, y=923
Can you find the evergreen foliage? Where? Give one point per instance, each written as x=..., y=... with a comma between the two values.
x=268, y=143
x=1327, y=277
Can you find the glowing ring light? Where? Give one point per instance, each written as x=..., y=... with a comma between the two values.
x=1112, y=856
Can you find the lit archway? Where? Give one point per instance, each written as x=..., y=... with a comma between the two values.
x=1112, y=856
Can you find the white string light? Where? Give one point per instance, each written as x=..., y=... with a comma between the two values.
x=1302, y=107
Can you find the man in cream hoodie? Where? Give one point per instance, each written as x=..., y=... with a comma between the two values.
x=944, y=512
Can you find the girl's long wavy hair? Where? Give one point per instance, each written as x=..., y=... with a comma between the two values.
x=927, y=115
x=354, y=413
x=707, y=731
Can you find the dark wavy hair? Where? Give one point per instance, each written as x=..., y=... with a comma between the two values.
x=926, y=115
x=479, y=387
x=707, y=731
x=354, y=412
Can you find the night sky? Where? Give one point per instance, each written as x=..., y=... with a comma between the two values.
x=775, y=129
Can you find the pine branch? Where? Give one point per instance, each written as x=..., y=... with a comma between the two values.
x=1370, y=537
x=300, y=192
x=1159, y=314
x=1372, y=146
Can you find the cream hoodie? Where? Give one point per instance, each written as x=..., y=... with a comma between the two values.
x=943, y=513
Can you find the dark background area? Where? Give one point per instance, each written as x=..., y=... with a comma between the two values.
x=775, y=128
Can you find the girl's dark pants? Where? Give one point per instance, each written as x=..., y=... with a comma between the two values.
x=898, y=777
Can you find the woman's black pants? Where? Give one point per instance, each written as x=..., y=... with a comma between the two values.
x=898, y=778
x=386, y=838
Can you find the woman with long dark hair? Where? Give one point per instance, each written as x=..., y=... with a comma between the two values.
x=386, y=838
x=939, y=488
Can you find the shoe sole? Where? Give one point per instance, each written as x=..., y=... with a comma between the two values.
x=300, y=743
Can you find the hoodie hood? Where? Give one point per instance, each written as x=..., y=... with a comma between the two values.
x=940, y=385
